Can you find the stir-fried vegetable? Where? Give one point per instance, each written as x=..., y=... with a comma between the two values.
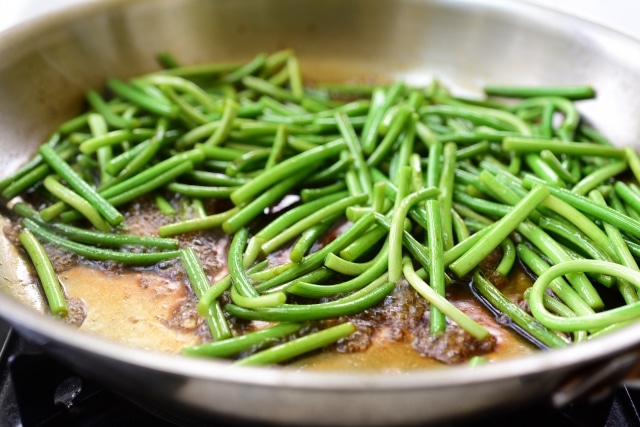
x=398, y=182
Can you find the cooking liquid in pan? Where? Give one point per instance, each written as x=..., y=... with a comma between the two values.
x=151, y=312
x=153, y=308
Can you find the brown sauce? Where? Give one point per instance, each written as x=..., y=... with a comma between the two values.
x=388, y=355
x=153, y=308
x=136, y=308
x=148, y=311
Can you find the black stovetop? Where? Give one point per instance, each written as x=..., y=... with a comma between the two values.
x=38, y=391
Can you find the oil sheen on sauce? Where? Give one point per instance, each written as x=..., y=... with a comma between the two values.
x=157, y=312
x=146, y=311
x=136, y=308
x=387, y=356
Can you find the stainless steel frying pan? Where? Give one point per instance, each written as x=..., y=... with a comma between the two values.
x=47, y=65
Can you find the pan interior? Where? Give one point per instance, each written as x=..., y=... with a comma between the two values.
x=49, y=64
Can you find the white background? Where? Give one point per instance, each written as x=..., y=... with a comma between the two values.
x=623, y=15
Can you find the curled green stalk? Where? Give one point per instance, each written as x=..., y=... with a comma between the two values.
x=183, y=85
x=397, y=228
x=557, y=254
x=559, y=286
x=243, y=292
x=583, y=322
x=443, y=304
x=211, y=295
x=350, y=268
x=362, y=299
x=508, y=257
x=267, y=300
x=374, y=276
x=309, y=238
x=595, y=178
x=316, y=259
